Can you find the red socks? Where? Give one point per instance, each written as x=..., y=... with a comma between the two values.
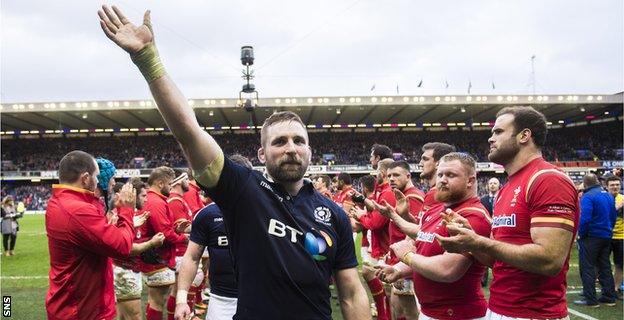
x=152, y=314
x=171, y=304
x=381, y=301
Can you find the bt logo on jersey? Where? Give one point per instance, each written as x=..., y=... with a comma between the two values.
x=316, y=242
x=280, y=229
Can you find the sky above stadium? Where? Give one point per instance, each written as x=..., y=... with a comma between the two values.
x=56, y=51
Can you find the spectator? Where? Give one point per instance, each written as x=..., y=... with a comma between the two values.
x=613, y=186
x=10, y=226
x=595, y=231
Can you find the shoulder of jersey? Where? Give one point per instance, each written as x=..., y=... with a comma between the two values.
x=208, y=210
x=478, y=210
x=169, y=200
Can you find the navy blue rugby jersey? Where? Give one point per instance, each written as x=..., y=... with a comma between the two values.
x=285, y=247
x=209, y=230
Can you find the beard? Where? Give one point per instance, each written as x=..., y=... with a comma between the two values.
x=185, y=187
x=446, y=195
x=505, y=153
x=164, y=192
x=287, y=170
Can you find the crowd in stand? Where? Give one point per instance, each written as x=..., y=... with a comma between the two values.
x=564, y=144
x=33, y=197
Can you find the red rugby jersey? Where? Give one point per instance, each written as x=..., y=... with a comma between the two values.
x=193, y=198
x=159, y=221
x=462, y=299
x=539, y=195
x=344, y=197
x=415, y=200
x=366, y=236
x=378, y=224
x=129, y=262
x=179, y=211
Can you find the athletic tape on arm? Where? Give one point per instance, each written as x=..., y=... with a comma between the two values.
x=209, y=177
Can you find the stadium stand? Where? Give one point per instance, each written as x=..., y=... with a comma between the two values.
x=564, y=144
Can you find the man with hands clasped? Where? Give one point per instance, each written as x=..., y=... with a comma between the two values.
x=447, y=285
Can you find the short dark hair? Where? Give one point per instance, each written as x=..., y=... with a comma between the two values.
x=528, y=118
x=400, y=164
x=612, y=178
x=242, y=160
x=117, y=187
x=283, y=116
x=138, y=184
x=325, y=178
x=344, y=177
x=160, y=173
x=590, y=180
x=74, y=164
x=382, y=151
x=440, y=149
x=368, y=182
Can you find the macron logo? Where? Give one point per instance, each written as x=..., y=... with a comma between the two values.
x=504, y=221
x=267, y=186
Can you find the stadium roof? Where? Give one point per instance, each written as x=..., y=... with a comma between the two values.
x=321, y=112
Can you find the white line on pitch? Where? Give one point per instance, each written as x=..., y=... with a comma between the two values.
x=581, y=315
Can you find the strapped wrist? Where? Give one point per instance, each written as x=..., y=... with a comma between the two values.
x=148, y=62
x=181, y=296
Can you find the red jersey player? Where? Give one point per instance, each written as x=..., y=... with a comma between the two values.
x=344, y=191
x=448, y=285
x=160, y=276
x=432, y=152
x=400, y=179
x=378, y=226
x=180, y=216
x=534, y=222
x=193, y=196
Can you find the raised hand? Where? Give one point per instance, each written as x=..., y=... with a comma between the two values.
x=402, y=205
x=139, y=220
x=385, y=210
x=182, y=226
x=453, y=221
x=463, y=240
x=124, y=33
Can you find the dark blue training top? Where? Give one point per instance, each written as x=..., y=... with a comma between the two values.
x=285, y=248
x=208, y=230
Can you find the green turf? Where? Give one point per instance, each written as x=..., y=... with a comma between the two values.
x=31, y=260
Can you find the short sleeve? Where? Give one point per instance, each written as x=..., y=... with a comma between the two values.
x=233, y=177
x=345, y=254
x=200, y=230
x=552, y=201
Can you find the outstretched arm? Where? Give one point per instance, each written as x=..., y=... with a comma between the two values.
x=201, y=150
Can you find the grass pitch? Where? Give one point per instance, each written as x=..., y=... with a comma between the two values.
x=24, y=277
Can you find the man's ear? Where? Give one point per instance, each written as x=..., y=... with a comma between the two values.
x=524, y=136
x=261, y=155
x=471, y=181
